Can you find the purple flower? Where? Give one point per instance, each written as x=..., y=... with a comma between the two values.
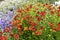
x=4, y=21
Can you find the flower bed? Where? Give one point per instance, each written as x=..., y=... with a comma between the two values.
x=34, y=22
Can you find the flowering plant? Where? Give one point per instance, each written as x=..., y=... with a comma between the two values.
x=5, y=19
x=8, y=4
x=34, y=22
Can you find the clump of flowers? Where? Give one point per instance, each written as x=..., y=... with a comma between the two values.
x=35, y=22
x=5, y=19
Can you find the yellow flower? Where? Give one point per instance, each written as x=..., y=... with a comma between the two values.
x=25, y=28
x=33, y=33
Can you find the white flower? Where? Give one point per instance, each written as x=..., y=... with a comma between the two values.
x=9, y=3
x=58, y=3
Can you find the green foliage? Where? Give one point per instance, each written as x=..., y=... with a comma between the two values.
x=47, y=1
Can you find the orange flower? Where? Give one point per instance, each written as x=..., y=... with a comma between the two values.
x=18, y=25
x=15, y=17
x=20, y=29
x=27, y=9
x=23, y=18
x=15, y=22
x=32, y=28
x=12, y=23
x=38, y=32
x=18, y=21
x=16, y=36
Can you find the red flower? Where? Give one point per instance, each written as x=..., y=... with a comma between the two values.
x=20, y=10
x=38, y=18
x=16, y=36
x=27, y=9
x=58, y=15
x=18, y=25
x=57, y=27
x=51, y=24
x=10, y=22
x=2, y=38
x=7, y=29
x=30, y=6
x=15, y=17
x=58, y=10
x=29, y=22
x=34, y=24
x=27, y=16
x=31, y=19
x=32, y=28
x=42, y=13
x=58, y=24
x=41, y=28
